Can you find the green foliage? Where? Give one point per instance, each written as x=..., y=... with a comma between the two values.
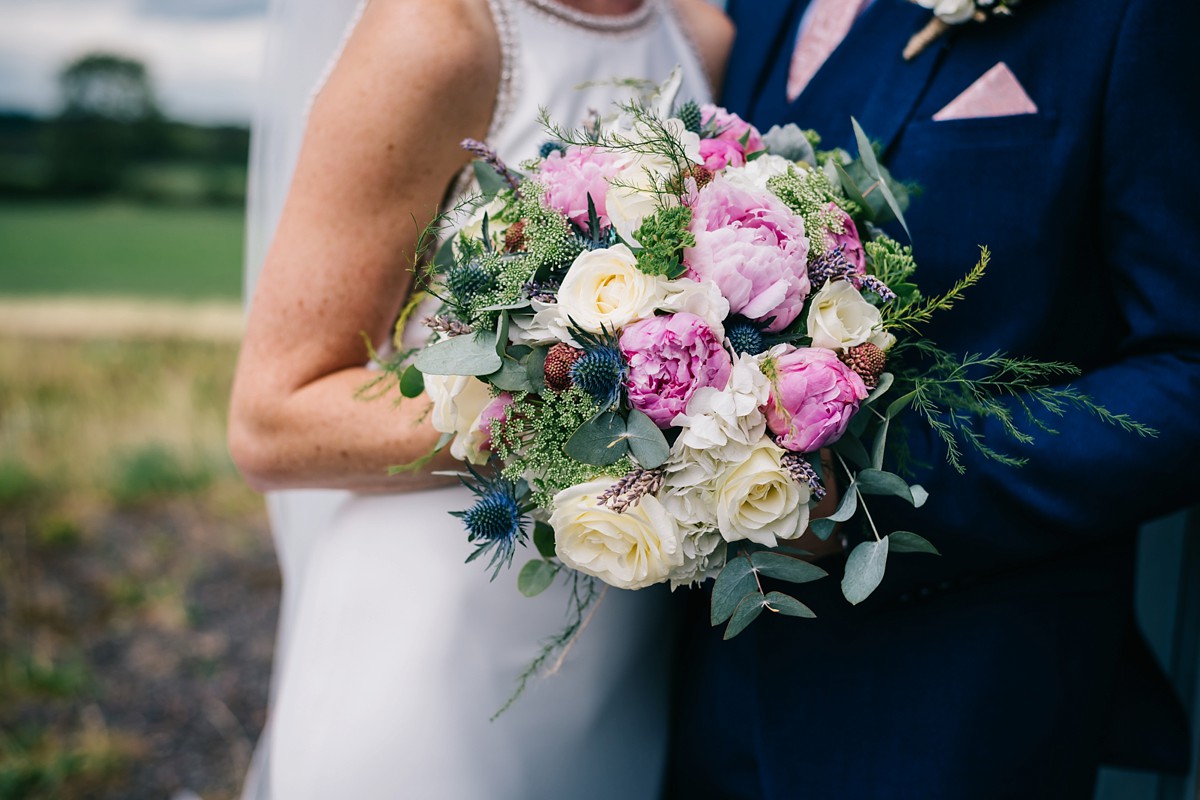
x=532, y=443
x=908, y=542
x=535, y=577
x=738, y=594
x=912, y=311
x=809, y=193
x=893, y=264
x=954, y=394
x=19, y=487
x=550, y=244
x=663, y=236
x=864, y=570
x=152, y=472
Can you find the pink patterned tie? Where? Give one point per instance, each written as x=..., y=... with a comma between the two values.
x=829, y=22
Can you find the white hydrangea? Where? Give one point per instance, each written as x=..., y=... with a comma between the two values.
x=719, y=419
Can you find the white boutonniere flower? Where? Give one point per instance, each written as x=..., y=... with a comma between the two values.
x=948, y=13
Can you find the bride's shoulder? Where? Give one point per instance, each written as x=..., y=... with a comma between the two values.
x=712, y=32
x=440, y=42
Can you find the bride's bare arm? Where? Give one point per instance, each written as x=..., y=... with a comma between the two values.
x=713, y=33
x=381, y=147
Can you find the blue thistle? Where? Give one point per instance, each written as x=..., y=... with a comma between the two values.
x=689, y=114
x=468, y=281
x=745, y=336
x=600, y=372
x=496, y=522
x=549, y=147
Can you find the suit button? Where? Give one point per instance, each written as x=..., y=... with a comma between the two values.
x=905, y=597
x=925, y=591
x=946, y=585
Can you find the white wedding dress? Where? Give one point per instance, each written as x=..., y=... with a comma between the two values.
x=393, y=654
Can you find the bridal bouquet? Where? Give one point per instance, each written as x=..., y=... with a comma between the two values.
x=651, y=335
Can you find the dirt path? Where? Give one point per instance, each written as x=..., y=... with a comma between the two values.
x=121, y=318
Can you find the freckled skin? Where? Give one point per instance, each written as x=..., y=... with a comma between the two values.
x=379, y=153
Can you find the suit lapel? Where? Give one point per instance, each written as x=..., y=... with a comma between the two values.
x=865, y=77
x=765, y=28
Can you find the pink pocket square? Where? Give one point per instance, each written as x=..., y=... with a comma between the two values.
x=997, y=94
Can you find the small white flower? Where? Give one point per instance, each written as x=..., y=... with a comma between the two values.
x=840, y=318
x=702, y=298
x=952, y=12
x=753, y=176
x=716, y=419
x=704, y=553
x=638, y=548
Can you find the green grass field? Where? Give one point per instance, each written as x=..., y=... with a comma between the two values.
x=119, y=249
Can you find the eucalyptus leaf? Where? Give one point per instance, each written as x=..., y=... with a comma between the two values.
x=876, y=481
x=600, y=441
x=865, y=151
x=535, y=577
x=543, y=540
x=886, y=379
x=899, y=404
x=919, y=495
x=470, y=354
x=733, y=583
x=880, y=445
x=851, y=448
x=909, y=542
x=850, y=187
x=511, y=377
x=847, y=506
x=502, y=323
x=786, y=568
x=491, y=182
x=535, y=368
x=894, y=205
x=864, y=570
x=412, y=382
x=508, y=306
x=789, y=606
x=822, y=528
x=746, y=612
x=646, y=441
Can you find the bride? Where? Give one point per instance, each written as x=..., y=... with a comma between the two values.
x=393, y=654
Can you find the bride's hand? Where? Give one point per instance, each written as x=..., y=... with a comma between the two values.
x=381, y=148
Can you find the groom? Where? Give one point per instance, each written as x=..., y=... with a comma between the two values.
x=1066, y=137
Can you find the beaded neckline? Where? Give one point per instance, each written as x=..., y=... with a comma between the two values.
x=602, y=23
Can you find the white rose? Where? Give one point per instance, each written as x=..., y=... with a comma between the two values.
x=458, y=402
x=950, y=11
x=754, y=175
x=633, y=550
x=605, y=288
x=536, y=328
x=840, y=318
x=759, y=501
x=702, y=298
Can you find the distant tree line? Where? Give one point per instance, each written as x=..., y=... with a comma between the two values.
x=111, y=139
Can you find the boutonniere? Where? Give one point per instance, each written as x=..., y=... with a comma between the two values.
x=947, y=13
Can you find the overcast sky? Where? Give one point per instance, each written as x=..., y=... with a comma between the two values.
x=203, y=54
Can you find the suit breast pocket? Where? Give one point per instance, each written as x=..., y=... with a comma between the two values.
x=1017, y=131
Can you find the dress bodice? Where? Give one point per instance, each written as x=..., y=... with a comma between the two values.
x=570, y=63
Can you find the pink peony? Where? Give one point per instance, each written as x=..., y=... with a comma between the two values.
x=493, y=412
x=726, y=147
x=571, y=176
x=670, y=357
x=813, y=397
x=848, y=240
x=754, y=248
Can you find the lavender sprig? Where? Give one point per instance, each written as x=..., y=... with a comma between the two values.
x=489, y=156
x=630, y=489
x=798, y=468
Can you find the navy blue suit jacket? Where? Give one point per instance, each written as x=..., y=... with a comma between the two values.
x=993, y=671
